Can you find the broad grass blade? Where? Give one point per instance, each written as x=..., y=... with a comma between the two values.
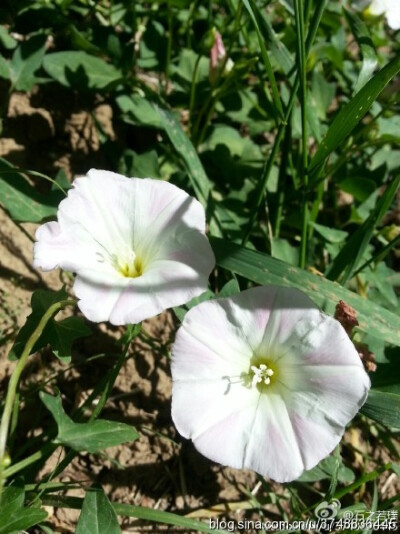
x=263, y=269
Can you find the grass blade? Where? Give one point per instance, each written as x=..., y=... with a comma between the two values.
x=263, y=269
x=351, y=114
x=278, y=50
x=301, y=56
x=252, y=9
x=383, y=407
x=197, y=175
x=367, y=48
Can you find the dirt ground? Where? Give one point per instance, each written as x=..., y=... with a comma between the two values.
x=45, y=132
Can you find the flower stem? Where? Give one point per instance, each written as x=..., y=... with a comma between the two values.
x=14, y=380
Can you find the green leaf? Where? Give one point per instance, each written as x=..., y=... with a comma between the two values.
x=333, y=235
x=324, y=471
x=6, y=40
x=229, y=289
x=80, y=70
x=181, y=311
x=364, y=41
x=263, y=269
x=138, y=110
x=389, y=129
x=281, y=249
x=358, y=186
x=140, y=165
x=58, y=334
x=12, y=498
x=92, y=436
x=21, y=520
x=347, y=259
x=383, y=407
x=21, y=200
x=352, y=113
x=97, y=516
x=4, y=68
x=13, y=517
x=25, y=62
x=187, y=65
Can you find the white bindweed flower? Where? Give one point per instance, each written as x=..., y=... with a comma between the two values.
x=138, y=246
x=265, y=380
x=389, y=8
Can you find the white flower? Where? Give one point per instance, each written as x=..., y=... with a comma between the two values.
x=390, y=8
x=265, y=380
x=138, y=246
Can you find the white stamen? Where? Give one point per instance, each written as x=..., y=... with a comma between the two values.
x=262, y=373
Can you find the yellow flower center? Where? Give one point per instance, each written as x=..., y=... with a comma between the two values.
x=130, y=269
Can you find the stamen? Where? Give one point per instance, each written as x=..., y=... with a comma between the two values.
x=131, y=268
x=262, y=373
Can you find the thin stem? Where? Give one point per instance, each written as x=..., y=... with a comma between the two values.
x=193, y=92
x=16, y=170
x=380, y=255
x=281, y=129
x=169, y=45
x=268, y=67
x=269, y=164
x=209, y=105
x=282, y=180
x=14, y=380
x=301, y=55
x=46, y=450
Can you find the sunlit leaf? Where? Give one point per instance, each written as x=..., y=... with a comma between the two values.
x=92, y=436
x=79, y=70
x=60, y=335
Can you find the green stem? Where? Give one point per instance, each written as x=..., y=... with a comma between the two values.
x=46, y=450
x=269, y=164
x=15, y=377
x=281, y=129
x=380, y=255
x=169, y=45
x=267, y=64
x=209, y=106
x=282, y=179
x=193, y=91
x=301, y=55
